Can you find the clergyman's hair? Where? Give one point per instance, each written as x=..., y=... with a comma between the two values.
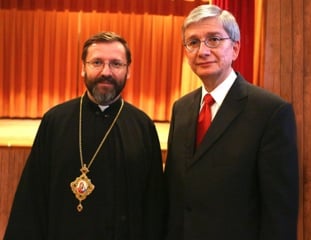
x=103, y=37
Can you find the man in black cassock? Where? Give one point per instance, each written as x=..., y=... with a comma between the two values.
x=95, y=169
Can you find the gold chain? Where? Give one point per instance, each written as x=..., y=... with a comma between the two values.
x=103, y=140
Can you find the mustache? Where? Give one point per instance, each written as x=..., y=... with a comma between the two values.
x=108, y=79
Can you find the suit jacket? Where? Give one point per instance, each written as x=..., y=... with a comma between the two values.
x=241, y=183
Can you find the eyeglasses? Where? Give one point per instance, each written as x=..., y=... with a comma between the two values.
x=211, y=42
x=99, y=65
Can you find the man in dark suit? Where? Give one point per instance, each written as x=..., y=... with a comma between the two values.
x=241, y=181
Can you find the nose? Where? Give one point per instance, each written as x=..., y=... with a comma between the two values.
x=106, y=69
x=204, y=49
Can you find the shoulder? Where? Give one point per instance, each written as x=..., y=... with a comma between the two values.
x=60, y=118
x=133, y=112
x=189, y=98
x=257, y=94
x=63, y=110
x=259, y=101
x=136, y=120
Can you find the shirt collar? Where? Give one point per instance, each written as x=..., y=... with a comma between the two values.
x=95, y=107
x=220, y=92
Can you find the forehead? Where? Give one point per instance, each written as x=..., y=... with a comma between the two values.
x=207, y=26
x=106, y=50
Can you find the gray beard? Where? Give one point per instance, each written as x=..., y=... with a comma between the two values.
x=104, y=99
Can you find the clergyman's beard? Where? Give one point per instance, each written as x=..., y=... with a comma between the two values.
x=110, y=95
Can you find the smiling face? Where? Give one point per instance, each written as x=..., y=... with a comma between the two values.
x=212, y=65
x=105, y=82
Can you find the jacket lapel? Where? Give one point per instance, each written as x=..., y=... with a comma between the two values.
x=190, y=132
x=231, y=107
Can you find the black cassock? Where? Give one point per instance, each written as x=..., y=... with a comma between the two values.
x=126, y=202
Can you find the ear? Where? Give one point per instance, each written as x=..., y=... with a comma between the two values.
x=83, y=70
x=236, y=50
x=128, y=75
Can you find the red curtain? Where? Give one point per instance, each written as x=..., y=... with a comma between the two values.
x=41, y=47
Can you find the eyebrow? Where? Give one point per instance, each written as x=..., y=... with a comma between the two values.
x=110, y=60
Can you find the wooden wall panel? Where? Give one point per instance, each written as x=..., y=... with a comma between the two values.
x=272, y=46
x=12, y=161
x=306, y=102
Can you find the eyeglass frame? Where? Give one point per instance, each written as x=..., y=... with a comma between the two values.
x=119, y=65
x=206, y=42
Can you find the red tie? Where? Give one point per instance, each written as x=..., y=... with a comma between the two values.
x=205, y=117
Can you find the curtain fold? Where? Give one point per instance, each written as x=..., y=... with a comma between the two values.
x=40, y=61
x=36, y=68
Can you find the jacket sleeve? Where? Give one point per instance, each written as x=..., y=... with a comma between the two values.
x=278, y=176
